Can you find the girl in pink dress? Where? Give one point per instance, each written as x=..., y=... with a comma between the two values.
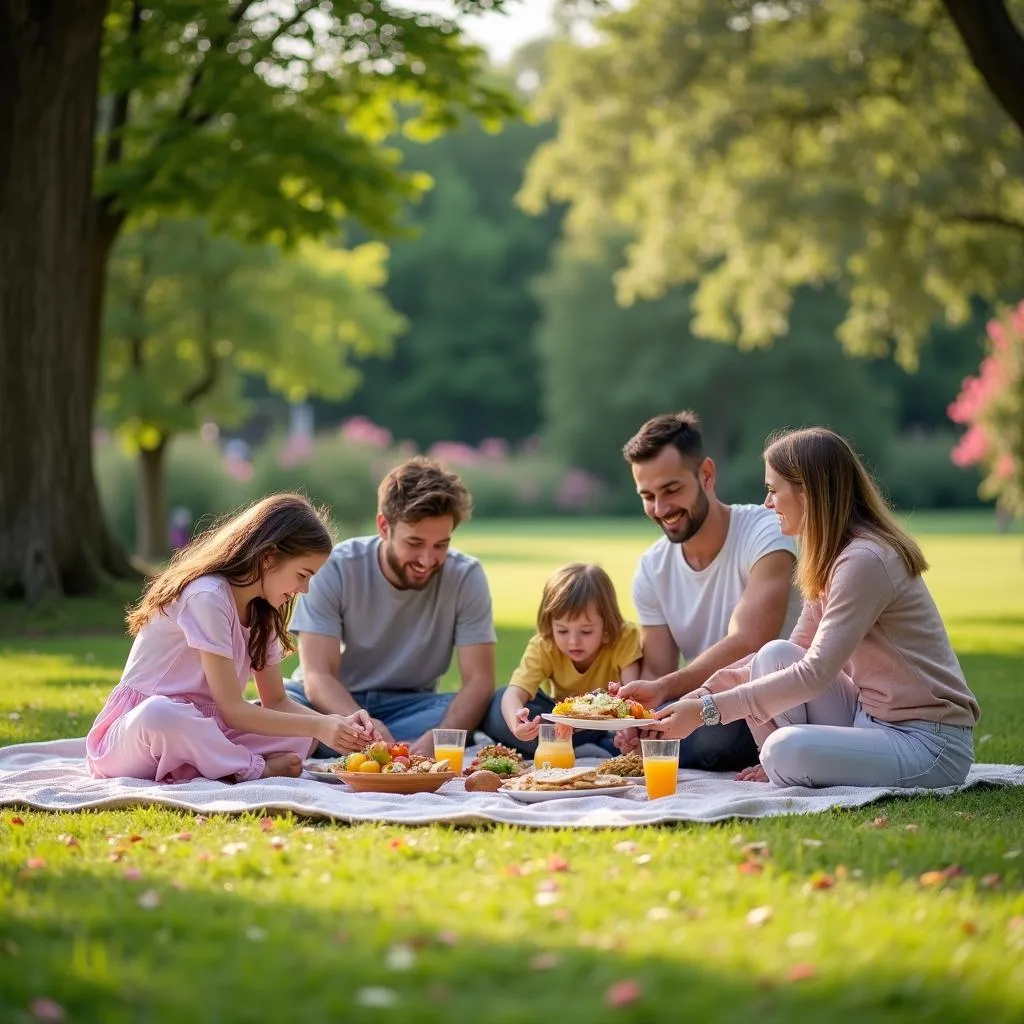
x=217, y=614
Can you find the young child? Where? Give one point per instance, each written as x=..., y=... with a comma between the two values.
x=218, y=612
x=581, y=644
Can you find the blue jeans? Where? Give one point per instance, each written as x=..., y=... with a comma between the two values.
x=832, y=741
x=719, y=748
x=408, y=714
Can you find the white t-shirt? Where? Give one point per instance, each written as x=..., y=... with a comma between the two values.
x=697, y=604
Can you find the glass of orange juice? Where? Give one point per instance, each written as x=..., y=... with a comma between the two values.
x=554, y=750
x=661, y=767
x=450, y=746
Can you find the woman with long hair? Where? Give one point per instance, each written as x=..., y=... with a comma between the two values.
x=217, y=614
x=867, y=691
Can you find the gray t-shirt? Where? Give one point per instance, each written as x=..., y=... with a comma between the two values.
x=394, y=639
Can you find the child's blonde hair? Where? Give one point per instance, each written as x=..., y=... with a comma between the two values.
x=570, y=590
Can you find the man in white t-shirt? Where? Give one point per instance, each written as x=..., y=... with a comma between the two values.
x=715, y=588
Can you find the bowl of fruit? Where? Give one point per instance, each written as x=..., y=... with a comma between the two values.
x=390, y=768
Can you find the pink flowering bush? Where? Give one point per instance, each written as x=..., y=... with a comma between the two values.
x=991, y=406
x=360, y=430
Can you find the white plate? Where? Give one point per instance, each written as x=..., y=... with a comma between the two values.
x=536, y=796
x=601, y=724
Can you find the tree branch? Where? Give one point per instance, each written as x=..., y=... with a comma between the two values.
x=119, y=114
x=996, y=47
x=195, y=80
x=996, y=220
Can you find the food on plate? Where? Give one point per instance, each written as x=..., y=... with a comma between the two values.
x=627, y=765
x=497, y=758
x=563, y=779
x=599, y=705
x=483, y=782
x=393, y=759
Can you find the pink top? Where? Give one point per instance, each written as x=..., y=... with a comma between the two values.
x=880, y=625
x=165, y=658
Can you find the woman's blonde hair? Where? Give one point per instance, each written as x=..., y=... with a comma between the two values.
x=568, y=593
x=841, y=502
x=241, y=547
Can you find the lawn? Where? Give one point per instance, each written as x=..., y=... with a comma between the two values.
x=908, y=910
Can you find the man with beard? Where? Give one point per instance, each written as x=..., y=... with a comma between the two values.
x=382, y=617
x=715, y=588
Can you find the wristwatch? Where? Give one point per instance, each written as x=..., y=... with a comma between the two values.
x=709, y=713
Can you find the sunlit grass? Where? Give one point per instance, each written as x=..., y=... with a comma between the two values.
x=153, y=915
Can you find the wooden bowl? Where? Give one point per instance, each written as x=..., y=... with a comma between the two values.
x=395, y=782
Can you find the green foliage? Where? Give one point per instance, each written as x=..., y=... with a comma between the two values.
x=465, y=369
x=336, y=473
x=269, y=119
x=191, y=314
x=757, y=149
x=607, y=368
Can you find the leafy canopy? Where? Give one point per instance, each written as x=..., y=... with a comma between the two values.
x=268, y=118
x=191, y=314
x=756, y=148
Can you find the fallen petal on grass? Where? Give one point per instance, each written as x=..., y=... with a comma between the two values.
x=623, y=993
x=46, y=1009
x=759, y=916
x=16, y=820
x=801, y=972
x=267, y=824
x=991, y=881
x=545, y=962
x=879, y=822
x=149, y=900
x=35, y=863
x=400, y=958
x=375, y=996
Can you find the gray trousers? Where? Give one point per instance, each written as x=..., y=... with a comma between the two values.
x=832, y=741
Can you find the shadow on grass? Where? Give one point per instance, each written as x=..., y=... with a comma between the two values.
x=217, y=957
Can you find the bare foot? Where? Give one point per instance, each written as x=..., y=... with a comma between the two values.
x=286, y=765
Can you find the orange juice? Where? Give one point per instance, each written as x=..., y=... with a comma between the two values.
x=557, y=754
x=453, y=755
x=661, y=774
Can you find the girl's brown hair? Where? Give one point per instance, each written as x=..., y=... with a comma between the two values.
x=841, y=502
x=240, y=548
x=570, y=590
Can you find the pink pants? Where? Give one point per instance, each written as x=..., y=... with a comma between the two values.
x=172, y=741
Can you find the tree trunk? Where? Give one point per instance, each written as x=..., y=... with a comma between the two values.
x=151, y=511
x=52, y=260
x=996, y=46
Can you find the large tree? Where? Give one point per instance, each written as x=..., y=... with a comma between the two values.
x=763, y=147
x=192, y=316
x=268, y=119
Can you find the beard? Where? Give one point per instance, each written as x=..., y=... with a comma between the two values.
x=692, y=521
x=409, y=582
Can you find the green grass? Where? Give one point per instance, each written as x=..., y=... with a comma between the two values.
x=152, y=915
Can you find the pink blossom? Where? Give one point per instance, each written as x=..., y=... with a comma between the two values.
x=455, y=453
x=494, y=449
x=238, y=469
x=298, y=448
x=577, y=490
x=971, y=449
x=1005, y=467
x=360, y=430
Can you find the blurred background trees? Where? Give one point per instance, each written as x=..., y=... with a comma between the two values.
x=317, y=254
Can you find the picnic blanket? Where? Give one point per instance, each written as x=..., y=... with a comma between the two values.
x=52, y=776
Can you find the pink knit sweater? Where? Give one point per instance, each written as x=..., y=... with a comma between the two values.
x=877, y=623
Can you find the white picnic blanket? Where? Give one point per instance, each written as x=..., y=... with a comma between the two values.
x=52, y=776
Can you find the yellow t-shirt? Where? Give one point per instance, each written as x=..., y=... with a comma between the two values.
x=545, y=667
